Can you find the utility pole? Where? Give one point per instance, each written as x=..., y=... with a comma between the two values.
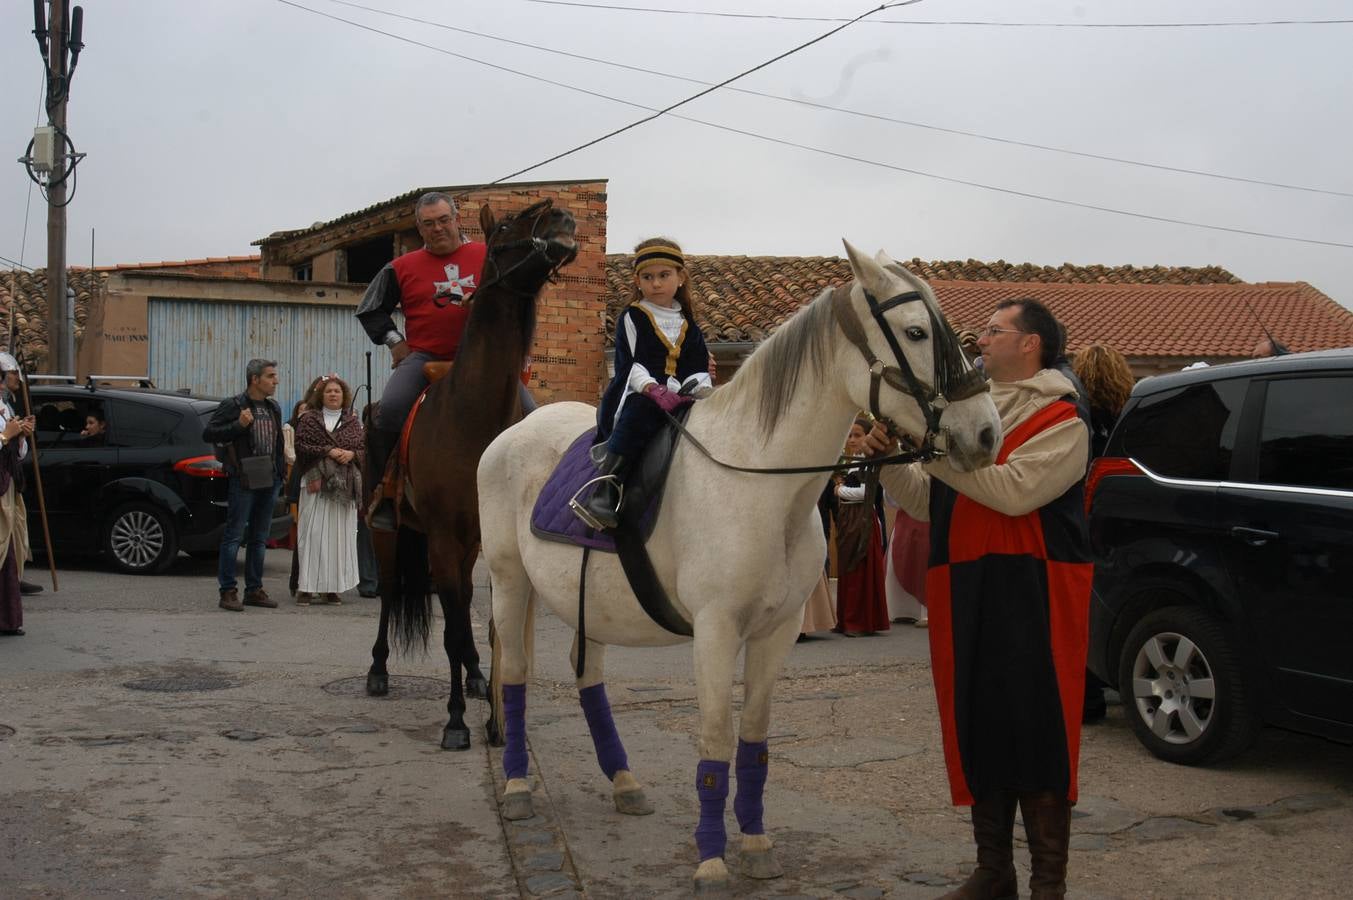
x=56, y=196
x=52, y=162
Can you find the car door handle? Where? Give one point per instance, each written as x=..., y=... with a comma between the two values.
x=1255, y=537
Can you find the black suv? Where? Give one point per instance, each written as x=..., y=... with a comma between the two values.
x=138, y=486
x=1221, y=517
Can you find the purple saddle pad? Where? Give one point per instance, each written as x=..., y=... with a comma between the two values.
x=552, y=520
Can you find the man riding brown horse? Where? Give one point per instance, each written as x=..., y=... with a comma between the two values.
x=432, y=286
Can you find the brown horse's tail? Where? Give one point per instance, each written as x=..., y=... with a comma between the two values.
x=411, y=613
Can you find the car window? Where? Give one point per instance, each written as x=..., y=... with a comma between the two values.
x=1307, y=435
x=1188, y=432
x=70, y=422
x=138, y=425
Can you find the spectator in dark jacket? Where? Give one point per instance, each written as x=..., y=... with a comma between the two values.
x=247, y=430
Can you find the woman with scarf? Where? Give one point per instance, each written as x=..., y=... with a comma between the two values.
x=329, y=452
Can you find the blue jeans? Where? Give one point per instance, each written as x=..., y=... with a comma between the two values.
x=248, y=521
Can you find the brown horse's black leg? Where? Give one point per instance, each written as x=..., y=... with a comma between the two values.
x=456, y=613
x=377, y=678
x=476, y=685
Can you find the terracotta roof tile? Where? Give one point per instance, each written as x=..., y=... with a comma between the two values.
x=1154, y=311
x=24, y=296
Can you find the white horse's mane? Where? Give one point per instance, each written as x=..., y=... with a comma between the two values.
x=771, y=374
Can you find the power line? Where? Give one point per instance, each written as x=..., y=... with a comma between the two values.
x=786, y=143
x=851, y=112
x=698, y=94
x=28, y=202
x=954, y=22
x=15, y=262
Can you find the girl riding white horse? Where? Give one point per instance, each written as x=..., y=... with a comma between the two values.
x=738, y=553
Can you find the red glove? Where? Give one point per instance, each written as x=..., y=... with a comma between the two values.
x=668, y=401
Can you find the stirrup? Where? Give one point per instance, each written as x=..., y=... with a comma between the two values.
x=582, y=512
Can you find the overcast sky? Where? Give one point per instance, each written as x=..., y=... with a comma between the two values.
x=212, y=123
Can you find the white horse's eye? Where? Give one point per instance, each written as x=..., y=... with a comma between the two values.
x=916, y=333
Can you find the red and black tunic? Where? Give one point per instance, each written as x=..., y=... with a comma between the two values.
x=1009, y=615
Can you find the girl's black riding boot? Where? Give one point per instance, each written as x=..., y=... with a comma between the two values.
x=1047, y=822
x=993, y=827
x=604, y=504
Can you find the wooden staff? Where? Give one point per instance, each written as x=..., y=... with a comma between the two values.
x=37, y=481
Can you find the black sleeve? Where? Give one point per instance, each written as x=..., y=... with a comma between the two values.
x=377, y=309
x=224, y=425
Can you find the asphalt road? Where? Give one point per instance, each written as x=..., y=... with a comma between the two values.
x=152, y=745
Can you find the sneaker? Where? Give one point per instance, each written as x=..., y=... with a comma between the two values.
x=923, y=622
x=259, y=597
x=333, y=599
x=230, y=599
x=303, y=598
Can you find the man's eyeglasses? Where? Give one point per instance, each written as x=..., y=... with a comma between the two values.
x=991, y=331
x=443, y=222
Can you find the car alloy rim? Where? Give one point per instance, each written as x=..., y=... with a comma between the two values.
x=137, y=539
x=1173, y=688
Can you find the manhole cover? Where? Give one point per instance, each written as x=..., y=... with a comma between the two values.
x=402, y=687
x=5, y=732
x=179, y=684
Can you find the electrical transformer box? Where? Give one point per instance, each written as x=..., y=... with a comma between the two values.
x=44, y=149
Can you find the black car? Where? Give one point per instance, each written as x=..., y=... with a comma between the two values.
x=1221, y=518
x=125, y=473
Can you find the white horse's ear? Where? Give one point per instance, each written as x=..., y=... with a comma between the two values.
x=898, y=270
x=871, y=276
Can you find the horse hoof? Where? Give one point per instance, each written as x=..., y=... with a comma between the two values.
x=477, y=688
x=633, y=803
x=493, y=733
x=761, y=864
x=711, y=879
x=517, y=806
x=455, y=739
x=377, y=684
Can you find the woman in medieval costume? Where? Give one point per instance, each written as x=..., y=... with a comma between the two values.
x=13, y=514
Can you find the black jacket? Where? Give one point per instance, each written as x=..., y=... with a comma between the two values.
x=232, y=439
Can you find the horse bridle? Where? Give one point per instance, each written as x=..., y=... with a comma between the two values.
x=952, y=380
x=539, y=247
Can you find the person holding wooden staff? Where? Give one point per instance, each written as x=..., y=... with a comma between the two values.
x=15, y=432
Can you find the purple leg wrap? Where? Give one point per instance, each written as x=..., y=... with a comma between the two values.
x=711, y=786
x=514, y=725
x=597, y=710
x=752, y=764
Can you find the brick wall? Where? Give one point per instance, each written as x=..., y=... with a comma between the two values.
x=568, y=361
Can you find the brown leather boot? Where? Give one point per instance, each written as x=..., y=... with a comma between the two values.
x=1047, y=822
x=230, y=599
x=259, y=597
x=993, y=826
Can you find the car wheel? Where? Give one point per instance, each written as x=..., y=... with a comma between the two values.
x=1183, y=687
x=140, y=539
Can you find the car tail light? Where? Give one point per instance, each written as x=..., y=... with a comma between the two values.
x=1106, y=465
x=200, y=467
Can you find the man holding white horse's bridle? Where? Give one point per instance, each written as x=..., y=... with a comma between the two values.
x=1008, y=593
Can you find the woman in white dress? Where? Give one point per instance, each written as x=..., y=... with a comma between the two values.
x=329, y=460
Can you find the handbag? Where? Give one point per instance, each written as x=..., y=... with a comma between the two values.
x=256, y=472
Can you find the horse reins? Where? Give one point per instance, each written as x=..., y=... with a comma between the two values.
x=539, y=247
x=953, y=382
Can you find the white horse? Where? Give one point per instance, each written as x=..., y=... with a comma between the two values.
x=738, y=553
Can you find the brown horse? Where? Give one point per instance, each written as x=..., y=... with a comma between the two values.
x=460, y=415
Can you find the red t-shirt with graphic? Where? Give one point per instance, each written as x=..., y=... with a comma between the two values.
x=435, y=325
